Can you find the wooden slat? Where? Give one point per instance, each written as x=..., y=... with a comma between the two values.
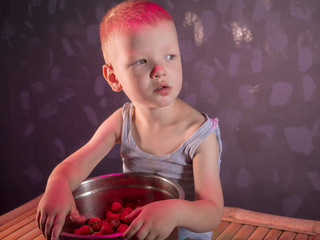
x=287, y=235
x=31, y=205
x=218, y=230
x=40, y=237
x=301, y=237
x=244, y=232
x=21, y=231
x=259, y=233
x=35, y=232
x=243, y=216
x=21, y=224
x=273, y=234
x=27, y=214
x=230, y=231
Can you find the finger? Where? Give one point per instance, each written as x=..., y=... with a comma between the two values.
x=160, y=238
x=132, y=229
x=133, y=214
x=143, y=232
x=76, y=217
x=38, y=217
x=151, y=236
x=42, y=223
x=57, y=226
x=48, y=227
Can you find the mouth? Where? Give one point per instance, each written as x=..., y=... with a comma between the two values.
x=162, y=88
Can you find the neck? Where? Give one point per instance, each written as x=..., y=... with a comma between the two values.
x=157, y=117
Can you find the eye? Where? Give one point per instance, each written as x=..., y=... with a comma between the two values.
x=141, y=62
x=170, y=57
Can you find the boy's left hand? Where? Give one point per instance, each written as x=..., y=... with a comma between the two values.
x=153, y=221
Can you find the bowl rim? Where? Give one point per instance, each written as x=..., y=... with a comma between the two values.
x=154, y=175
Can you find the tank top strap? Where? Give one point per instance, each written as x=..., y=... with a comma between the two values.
x=126, y=115
x=209, y=126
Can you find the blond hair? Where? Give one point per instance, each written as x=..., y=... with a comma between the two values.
x=129, y=15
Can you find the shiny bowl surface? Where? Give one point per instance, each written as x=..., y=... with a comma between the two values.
x=96, y=194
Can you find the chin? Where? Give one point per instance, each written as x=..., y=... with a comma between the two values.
x=167, y=101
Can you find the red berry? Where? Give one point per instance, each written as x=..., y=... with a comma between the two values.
x=98, y=233
x=106, y=229
x=126, y=211
x=117, y=212
x=93, y=221
x=114, y=224
x=97, y=226
x=116, y=207
x=84, y=230
x=112, y=216
x=122, y=228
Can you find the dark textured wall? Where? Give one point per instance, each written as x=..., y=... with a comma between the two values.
x=252, y=63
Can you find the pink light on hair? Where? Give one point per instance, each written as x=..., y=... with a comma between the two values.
x=129, y=15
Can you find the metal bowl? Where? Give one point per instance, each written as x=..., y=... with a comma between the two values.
x=94, y=195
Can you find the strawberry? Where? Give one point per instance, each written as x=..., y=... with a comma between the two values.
x=126, y=211
x=98, y=233
x=112, y=216
x=84, y=230
x=116, y=207
x=106, y=229
x=115, y=220
x=97, y=226
x=113, y=223
x=122, y=228
x=92, y=221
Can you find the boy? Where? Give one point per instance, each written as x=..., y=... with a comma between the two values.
x=158, y=132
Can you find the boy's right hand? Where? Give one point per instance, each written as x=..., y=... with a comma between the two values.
x=53, y=208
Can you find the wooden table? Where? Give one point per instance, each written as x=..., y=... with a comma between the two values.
x=236, y=224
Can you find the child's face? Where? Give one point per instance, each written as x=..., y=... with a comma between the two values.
x=147, y=64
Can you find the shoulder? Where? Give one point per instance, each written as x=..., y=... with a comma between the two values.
x=192, y=118
x=116, y=119
x=197, y=121
x=112, y=125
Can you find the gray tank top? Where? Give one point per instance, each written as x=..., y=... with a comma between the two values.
x=176, y=166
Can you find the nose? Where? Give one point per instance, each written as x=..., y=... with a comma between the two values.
x=157, y=72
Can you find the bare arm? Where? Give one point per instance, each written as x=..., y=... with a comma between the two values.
x=206, y=212
x=57, y=201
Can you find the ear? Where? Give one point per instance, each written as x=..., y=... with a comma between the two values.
x=111, y=78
